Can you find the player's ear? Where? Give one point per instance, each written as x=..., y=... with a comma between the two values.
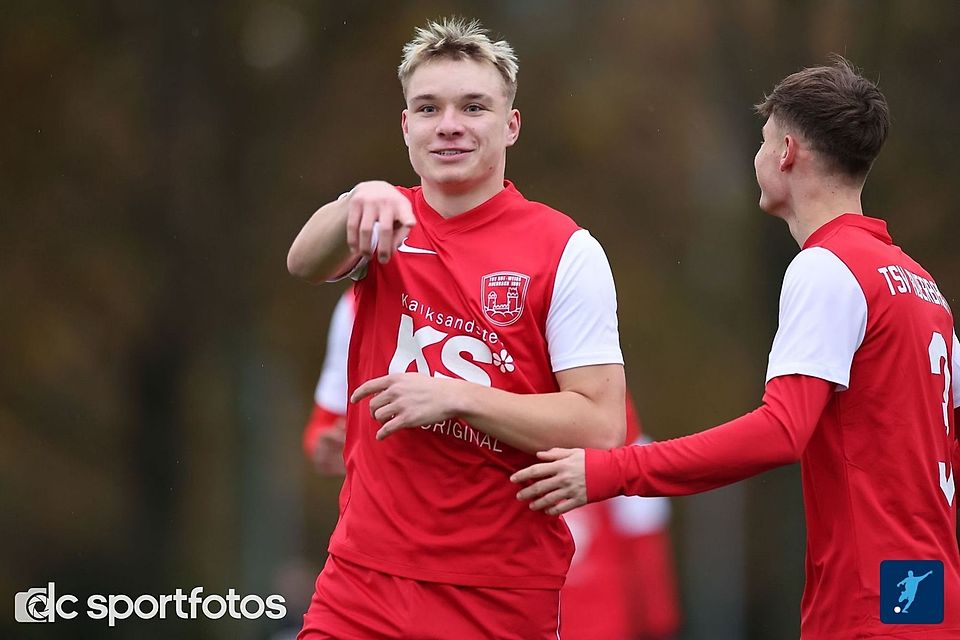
x=789, y=155
x=405, y=127
x=513, y=127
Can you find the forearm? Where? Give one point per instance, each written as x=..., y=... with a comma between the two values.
x=773, y=435
x=534, y=422
x=320, y=250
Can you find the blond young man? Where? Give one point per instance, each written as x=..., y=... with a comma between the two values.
x=486, y=330
x=861, y=386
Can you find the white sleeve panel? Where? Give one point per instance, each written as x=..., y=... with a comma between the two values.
x=582, y=320
x=955, y=376
x=823, y=318
x=331, y=393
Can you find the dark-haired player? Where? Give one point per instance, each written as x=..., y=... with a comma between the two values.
x=860, y=383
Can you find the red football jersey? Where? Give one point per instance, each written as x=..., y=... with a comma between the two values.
x=861, y=381
x=878, y=473
x=466, y=297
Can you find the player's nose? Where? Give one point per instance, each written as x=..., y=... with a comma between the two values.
x=450, y=122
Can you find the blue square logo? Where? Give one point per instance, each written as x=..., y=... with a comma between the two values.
x=911, y=592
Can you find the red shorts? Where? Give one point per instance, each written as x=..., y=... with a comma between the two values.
x=355, y=603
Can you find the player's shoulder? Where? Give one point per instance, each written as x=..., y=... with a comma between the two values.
x=819, y=267
x=866, y=251
x=814, y=260
x=539, y=220
x=547, y=213
x=854, y=242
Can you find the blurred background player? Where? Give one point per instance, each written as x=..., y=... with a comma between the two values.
x=622, y=582
x=324, y=435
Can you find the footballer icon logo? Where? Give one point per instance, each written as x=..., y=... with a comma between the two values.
x=502, y=295
x=911, y=591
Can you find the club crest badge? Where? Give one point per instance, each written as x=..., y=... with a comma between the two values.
x=502, y=295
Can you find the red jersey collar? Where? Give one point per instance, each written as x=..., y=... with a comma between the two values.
x=471, y=218
x=873, y=226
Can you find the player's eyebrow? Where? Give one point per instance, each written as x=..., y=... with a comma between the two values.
x=481, y=97
x=429, y=97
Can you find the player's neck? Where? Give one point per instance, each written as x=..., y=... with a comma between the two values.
x=818, y=206
x=450, y=202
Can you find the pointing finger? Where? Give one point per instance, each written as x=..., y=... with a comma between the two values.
x=354, y=211
x=385, y=244
x=370, y=387
x=367, y=220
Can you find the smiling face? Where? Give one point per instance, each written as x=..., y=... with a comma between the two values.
x=458, y=124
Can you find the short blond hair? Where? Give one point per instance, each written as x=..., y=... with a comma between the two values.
x=456, y=38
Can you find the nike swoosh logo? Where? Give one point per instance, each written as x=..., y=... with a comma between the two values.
x=405, y=248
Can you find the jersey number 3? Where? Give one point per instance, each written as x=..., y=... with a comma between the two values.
x=940, y=365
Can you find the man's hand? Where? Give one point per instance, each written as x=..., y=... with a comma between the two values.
x=560, y=484
x=328, y=451
x=319, y=252
x=377, y=202
x=404, y=400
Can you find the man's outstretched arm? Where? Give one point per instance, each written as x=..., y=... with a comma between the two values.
x=342, y=232
x=774, y=435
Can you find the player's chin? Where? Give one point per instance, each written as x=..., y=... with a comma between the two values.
x=453, y=178
x=766, y=205
x=772, y=201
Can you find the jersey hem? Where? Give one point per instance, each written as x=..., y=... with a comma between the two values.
x=548, y=582
x=788, y=369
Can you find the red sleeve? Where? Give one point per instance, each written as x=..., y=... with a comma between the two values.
x=771, y=436
x=956, y=444
x=320, y=420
